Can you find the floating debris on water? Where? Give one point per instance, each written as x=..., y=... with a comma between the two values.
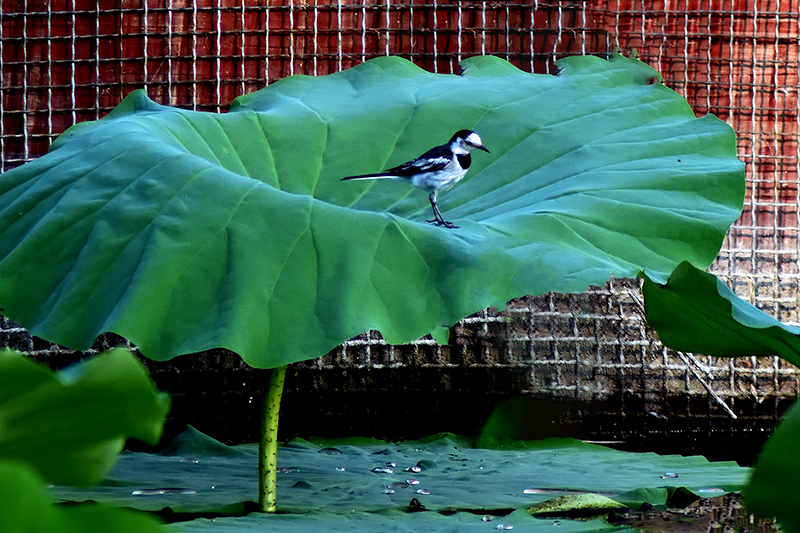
x=412, y=482
x=504, y=527
x=382, y=470
x=162, y=492
x=424, y=492
x=487, y=518
x=416, y=505
x=340, y=469
x=286, y=469
x=189, y=460
x=669, y=475
x=714, y=490
x=387, y=490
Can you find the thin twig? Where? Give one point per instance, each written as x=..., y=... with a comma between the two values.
x=691, y=366
x=691, y=363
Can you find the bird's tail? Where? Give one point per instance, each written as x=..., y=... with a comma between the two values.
x=370, y=177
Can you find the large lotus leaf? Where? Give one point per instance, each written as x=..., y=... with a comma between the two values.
x=184, y=231
x=396, y=522
x=70, y=426
x=28, y=508
x=338, y=475
x=696, y=312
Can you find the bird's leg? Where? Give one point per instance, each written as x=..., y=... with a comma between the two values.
x=438, y=219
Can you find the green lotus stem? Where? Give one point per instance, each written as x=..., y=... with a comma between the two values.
x=268, y=448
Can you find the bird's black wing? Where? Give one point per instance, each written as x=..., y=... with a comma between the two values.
x=433, y=160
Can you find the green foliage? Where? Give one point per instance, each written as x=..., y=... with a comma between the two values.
x=72, y=425
x=69, y=427
x=28, y=508
x=696, y=312
x=183, y=231
x=773, y=490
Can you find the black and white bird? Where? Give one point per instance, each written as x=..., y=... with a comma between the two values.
x=436, y=170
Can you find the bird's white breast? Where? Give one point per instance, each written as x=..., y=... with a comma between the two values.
x=441, y=180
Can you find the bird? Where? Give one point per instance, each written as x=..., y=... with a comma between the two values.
x=436, y=170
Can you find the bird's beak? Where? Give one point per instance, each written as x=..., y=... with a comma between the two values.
x=484, y=149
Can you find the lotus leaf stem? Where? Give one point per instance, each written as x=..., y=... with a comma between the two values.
x=268, y=449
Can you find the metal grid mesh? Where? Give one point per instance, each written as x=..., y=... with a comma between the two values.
x=738, y=60
x=66, y=61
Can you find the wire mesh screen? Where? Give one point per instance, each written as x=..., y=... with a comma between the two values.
x=67, y=61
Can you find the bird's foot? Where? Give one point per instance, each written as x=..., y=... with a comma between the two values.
x=445, y=223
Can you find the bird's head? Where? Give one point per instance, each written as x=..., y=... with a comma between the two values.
x=467, y=140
